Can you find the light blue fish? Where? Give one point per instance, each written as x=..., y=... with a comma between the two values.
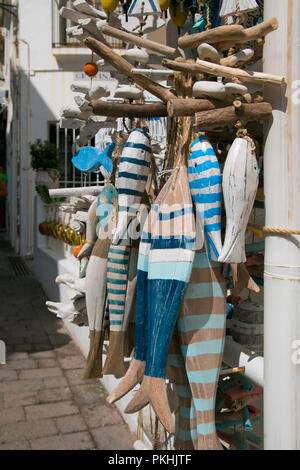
x=90, y=159
x=206, y=187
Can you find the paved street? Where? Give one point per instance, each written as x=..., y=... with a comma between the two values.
x=44, y=403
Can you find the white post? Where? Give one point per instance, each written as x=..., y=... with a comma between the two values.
x=282, y=256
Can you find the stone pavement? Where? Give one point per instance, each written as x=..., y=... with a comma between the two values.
x=44, y=403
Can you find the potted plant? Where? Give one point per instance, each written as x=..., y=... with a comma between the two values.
x=45, y=160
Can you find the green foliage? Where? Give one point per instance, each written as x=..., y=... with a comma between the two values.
x=43, y=192
x=43, y=155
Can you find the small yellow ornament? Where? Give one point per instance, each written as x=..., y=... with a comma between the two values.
x=179, y=13
x=164, y=4
x=109, y=5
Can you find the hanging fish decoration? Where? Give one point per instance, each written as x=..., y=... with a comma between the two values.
x=201, y=327
x=90, y=159
x=96, y=279
x=134, y=169
x=205, y=185
x=135, y=373
x=117, y=273
x=240, y=183
x=170, y=262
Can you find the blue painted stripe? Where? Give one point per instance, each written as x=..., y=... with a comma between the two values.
x=200, y=153
x=143, y=262
x=135, y=161
x=115, y=322
x=174, y=214
x=141, y=131
x=130, y=192
x=116, y=281
x=133, y=145
x=117, y=271
x=209, y=213
x=180, y=271
x=204, y=166
x=186, y=435
x=146, y=237
x=118, y=252
x=116, y=291
x=203, y=347
x=207, y=198
x=188, y=413
x=116, y=312
x=206, y=428
x=203, y=322
x=204, y=404
x=203, y=376
x=166, y=242
x=116, y=302
x=202, y=138
x=132, y=176
x=203, y=183
x=117, y=261
x=212, y=227
x=204, y=290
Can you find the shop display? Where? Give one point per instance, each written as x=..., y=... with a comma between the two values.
x=178, y=273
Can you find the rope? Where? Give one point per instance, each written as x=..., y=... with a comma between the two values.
x=243, y=134
x=120, y=141
x=208, y=23
x=280, y=231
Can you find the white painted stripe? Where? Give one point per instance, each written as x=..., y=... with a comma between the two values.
x=170, y=255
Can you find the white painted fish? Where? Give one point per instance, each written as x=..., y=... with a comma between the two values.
x=134, y=169
x=205, y=185
x=240, y=182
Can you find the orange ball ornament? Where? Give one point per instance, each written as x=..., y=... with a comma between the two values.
x=77, y=250
x=91, y=69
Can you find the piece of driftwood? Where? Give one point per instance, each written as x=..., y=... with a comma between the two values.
x=211, y=36
x=87, y=23
x=222, y=71
x=125, y=67
x=103, y=108
x=152, y=46
x=223, y=117
x=190, y=106
x=85, y=7
x=236, y=60
x=252, y=34
x=225, y=37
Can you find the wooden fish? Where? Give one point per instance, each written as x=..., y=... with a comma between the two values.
x=96, y=279
x=201, y=327
x=240, y=182
x=134, y=169
x=205, y=185
x=170, y=262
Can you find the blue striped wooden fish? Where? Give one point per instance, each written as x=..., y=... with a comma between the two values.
x=201, y=327
x=117, y=273
x=206, y=188
x=134, y=169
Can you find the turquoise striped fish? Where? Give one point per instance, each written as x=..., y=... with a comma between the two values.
x=206, y=188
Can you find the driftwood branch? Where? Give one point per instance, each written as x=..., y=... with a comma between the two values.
x=125, y=67
x=225, y=37
x=152, y=46
x=103, y=108
x=223, y=117
x=190, y=106
x=222, y=71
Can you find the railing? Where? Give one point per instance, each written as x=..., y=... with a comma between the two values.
x=61, y=38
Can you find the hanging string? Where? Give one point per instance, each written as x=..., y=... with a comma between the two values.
x=120, y=141
x=243, y=134
x=208, y=23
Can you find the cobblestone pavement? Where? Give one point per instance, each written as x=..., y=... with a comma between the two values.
x=44, y=403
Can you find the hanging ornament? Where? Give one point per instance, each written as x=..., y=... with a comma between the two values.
x=179, y=12
x=164, y=4
x=231, y=7
x=91, y=69
x=109, y=5
x=144, y=7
